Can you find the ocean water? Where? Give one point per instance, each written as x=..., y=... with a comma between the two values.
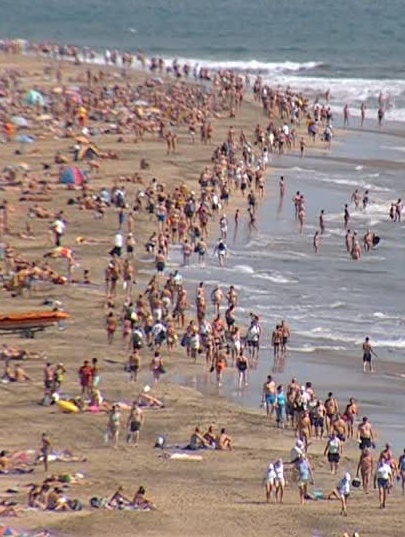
x=352, y=47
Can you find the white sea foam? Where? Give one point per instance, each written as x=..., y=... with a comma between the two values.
x=274, y=277
x=393, y=148
x=253, y=66
x=245, y=269
x=355, y=183
x=337, y=304
x=384, y=316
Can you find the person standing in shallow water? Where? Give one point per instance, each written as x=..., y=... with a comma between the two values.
x=367, y=356
x=346, y=215
x=316, y=241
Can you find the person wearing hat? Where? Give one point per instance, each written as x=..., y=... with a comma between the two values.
x=342, y=492
x=297, y=451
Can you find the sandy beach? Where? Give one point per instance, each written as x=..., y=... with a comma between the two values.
x=219, y=495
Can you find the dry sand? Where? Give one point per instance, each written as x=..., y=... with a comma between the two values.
x=221, y=495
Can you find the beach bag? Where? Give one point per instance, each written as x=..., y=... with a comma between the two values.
x=137, y=340
x=95, y=502
x=75, y=505
x=184, y=340
x=160, y=441
x=356, y=483
x=46, y=400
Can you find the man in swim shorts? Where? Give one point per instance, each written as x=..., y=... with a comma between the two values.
x=269, y=395
x=367, y=354
x=135, y=421
x=365, y=434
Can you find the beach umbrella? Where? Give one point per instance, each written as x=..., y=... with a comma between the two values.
x=33, y=97
x=7, y=531
x=24, y=139
x=72, y=176
x=19, y=121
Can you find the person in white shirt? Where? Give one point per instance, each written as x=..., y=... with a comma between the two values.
x=221, y=250
x=383, y=479
x=159, y=333
x=223, y=226
x=280, y=480
x=58, y=228
x=333, y=450
x=304, y=398
x=269, y=481
x=297, y=451
x=342, y=492
x=118, y=244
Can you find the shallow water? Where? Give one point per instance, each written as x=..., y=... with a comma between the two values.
x=329, y=301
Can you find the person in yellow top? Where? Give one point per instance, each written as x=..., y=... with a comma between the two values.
x=82, y=115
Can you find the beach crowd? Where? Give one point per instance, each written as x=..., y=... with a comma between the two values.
x=153, y=322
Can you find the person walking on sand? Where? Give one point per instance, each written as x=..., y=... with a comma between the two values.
x=156, y=366
x=113, y=426
x=86, y=379
x=280, y=480
x=269, y=482
x=135, y=422
x=269, y=395
x=365, y=468
x=383, y=480
x=401, y=470
x=280, y=405
x=351, y=412
x=45, y=450
x=111, y=327
x=365, y=434
x=333, y=450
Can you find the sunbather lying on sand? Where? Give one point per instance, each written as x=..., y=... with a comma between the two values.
x=144, y=399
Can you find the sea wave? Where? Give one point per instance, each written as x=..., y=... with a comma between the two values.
x=252, y=66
